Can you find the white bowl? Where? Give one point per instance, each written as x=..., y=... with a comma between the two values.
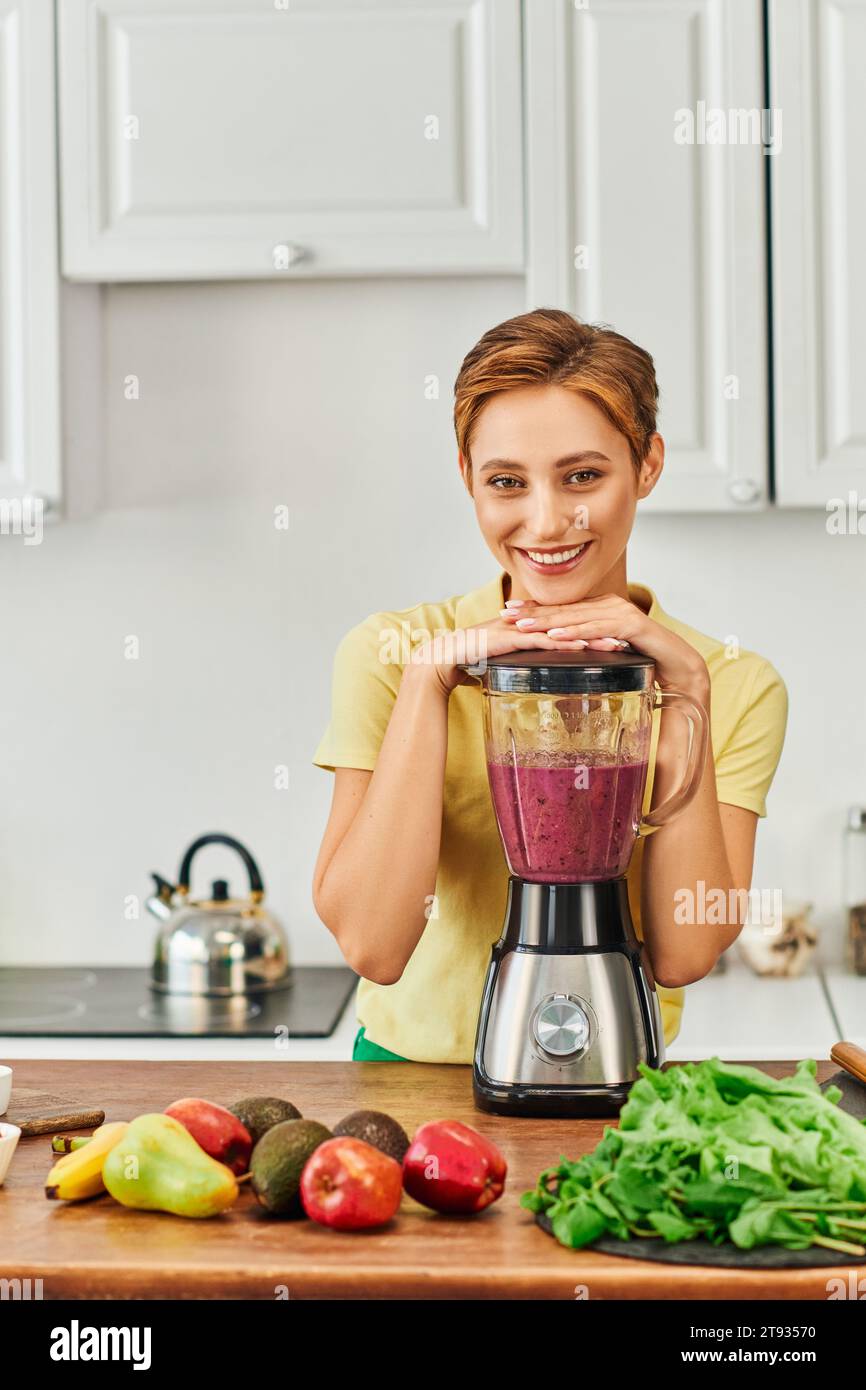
x=9, y=1136
x=5, y=1088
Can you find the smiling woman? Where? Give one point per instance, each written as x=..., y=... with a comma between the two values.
x=555, y=424
x=525, y=393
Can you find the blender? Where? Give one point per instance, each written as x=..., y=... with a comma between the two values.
x=569, y=1006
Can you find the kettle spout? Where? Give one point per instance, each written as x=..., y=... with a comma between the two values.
x=159, y=903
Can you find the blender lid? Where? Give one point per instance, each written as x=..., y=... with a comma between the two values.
x=581, y=672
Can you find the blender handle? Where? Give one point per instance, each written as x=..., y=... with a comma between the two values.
x=698, y=730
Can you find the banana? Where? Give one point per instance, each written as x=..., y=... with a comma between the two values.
x=79, y=1174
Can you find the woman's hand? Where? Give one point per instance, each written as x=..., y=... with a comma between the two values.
x=440, y=657
x=610, y=623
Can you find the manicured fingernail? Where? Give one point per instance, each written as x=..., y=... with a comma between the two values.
x=525, y=622
x=558, y=631
x=514, y=602
x=506, y=612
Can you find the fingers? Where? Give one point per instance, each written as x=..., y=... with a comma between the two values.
x=515, y=640
x=602, y=613
x=579, y=630
x=591, y=632
x=526, y=638
x=546, y=641
x=596, y=644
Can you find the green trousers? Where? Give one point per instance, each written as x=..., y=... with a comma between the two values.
x=367, y=1051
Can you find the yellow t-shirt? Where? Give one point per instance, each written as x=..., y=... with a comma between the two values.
x=430, y=1014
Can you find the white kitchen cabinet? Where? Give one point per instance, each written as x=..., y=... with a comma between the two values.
x=29, y=379
x=213, y=139
x=817, y=57
x=664, y=241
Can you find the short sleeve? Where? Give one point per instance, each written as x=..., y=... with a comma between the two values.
x=746, y=765
x=364, y=689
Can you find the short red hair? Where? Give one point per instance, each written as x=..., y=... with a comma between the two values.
x=549, y=347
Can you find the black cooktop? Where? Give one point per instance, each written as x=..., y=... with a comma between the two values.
x=117, y=1002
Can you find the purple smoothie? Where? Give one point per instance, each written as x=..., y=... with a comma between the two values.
x=568, y=824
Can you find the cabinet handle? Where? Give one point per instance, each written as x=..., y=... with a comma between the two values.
x=288, y=253
x=743, y=491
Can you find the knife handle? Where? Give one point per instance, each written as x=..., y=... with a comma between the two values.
x=851, y=1057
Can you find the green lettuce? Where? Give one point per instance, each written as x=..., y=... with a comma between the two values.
x=720, y=1152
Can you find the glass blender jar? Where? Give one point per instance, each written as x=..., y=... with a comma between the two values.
x=569, y=1005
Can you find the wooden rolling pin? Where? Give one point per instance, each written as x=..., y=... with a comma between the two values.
x=851, y=1058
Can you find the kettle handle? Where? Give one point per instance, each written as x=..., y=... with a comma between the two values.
x=257, y=888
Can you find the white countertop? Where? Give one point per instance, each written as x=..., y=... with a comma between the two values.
x=848, y=992
x=735, y=1015
x=740, y=1016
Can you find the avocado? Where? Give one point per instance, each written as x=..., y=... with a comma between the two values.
x=278, y=1161
x=258, y=1114
x=378, y=1129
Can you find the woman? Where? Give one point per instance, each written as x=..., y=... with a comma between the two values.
x=556, y=431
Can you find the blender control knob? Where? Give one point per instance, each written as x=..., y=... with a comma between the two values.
x=560, y=1026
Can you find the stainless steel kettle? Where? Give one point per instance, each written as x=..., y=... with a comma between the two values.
x=218, y=945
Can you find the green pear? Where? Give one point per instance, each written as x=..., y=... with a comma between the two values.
x=158, y=1166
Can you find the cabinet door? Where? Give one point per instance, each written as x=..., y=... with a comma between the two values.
x=262, y=138
x=817, y=59
x=663, y=240
x=29, y=376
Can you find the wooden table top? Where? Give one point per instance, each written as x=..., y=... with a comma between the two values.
x=100, y=1249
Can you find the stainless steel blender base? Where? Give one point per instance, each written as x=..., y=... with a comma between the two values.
x=569, y=1007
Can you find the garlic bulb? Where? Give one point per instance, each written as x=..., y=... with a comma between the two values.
x=781, y=947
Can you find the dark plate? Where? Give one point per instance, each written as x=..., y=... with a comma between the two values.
x=700, y=1252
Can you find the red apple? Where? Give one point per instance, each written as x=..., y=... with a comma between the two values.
x=216, y=1130
x=451, y=1167
x=350, y=1186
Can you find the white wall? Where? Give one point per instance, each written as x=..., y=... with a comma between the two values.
x=313, y=395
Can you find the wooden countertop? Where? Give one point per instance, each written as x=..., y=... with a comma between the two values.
x=99, y=1249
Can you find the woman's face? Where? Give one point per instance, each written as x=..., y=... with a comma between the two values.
x=550, y=474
